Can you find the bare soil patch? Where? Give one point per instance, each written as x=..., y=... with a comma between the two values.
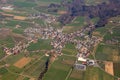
x=22, y=62
x=109, y=67
x=4, y=32
x=62, y=12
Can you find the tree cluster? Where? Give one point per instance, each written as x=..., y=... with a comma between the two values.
x=104, y=11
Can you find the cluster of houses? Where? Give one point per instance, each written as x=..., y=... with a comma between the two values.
x=16, y=49
x=9, y=7
x=47, y=33
x=46, y=17
x=60, y=39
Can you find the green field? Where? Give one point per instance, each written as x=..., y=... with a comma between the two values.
x=26, y=78
x=117, y=69
x=35, y=69
x=107, y=52
x=94, y=2
x=8, y=42
x=13, y=58
x=3, y=71
x=23, y=24
x=2, y=54
x=60, y=68
x=75, y=25
x=40, y=45
x=79, y=21
x=24, y=4
x=9, y=76
x=69, y=49
x=115, y=35
x=92, y=73
x=18, y=31
x=32, y=69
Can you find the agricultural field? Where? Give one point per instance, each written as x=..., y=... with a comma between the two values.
x=69, y=49
x=94, y=2
x=60, y=68
x=75, y=25
x=24, y=57
x=92, y=73
x=40, y=45
x=107, y=52
x=108, y=49
x=32, y=66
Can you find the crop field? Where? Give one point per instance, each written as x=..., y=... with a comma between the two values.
x=13, y=58
x=2, y=54
x=19, y=64
x=40, y=45
x=92, y=73
x=75, y=25
x=117, y=69
x=35, y=68
x=107, y=52
x=14, y=23
x=29, y=65
x=94, y=2
x=69, y=49
x=59, y=69
x=7, y=76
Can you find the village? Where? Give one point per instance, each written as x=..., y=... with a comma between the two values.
x=59, y=40
x=36, y=44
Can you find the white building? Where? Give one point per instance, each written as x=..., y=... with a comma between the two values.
x=82, y=59
x=7, y=8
